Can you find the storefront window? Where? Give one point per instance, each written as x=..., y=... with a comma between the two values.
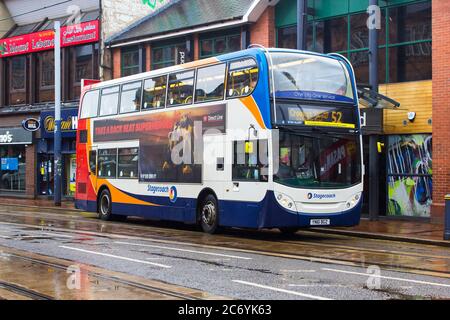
x=17, y=80
x=169, y=55
x=331, y=35
x=130, y=61
x=404, y=41
x=83, y=61
x=12, y=168
x=409, y=175
x=46, y=76
x=219, y=45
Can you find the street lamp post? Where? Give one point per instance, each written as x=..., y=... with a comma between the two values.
x=57, y=131
x=374, y=183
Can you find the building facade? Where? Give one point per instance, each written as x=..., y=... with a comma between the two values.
x=188, y=30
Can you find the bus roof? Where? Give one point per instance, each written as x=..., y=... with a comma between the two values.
x=252, y=51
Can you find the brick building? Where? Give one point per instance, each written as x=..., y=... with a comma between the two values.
x=27, y=83
x=412, y=48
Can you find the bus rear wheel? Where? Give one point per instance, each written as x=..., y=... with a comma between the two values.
x=105, y=205
x=209, y=214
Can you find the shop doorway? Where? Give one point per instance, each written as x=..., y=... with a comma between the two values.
x=45, y=174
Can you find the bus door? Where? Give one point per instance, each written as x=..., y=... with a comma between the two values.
x=214, y=168
x=93, y=166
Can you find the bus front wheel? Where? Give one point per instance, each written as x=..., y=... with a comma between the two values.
x=209, y=214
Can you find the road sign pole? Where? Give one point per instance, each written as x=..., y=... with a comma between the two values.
x=57, y=138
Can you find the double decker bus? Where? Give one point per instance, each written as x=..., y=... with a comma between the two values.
x=260, y=138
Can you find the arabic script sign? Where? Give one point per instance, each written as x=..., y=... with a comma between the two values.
x=73, y=35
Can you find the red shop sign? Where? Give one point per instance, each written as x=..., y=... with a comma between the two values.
x=73, y=35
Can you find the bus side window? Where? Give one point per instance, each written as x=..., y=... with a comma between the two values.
x=181, y=88
x=93, y=162
x=242, y=78
x=109, y=102
x=154, y=93
x=130, y=97
x=89, y=106
x=107, y=163
x=250, y=165
x=210, y=83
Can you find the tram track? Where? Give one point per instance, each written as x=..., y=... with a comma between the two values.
x=302, y=250
x=23, y=292
x=63, y=267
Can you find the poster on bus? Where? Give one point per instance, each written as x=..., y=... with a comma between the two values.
x=167, y=140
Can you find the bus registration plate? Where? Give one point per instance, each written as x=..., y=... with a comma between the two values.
x=320, y=222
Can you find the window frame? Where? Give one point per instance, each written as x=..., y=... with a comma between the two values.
x=194, y=82
x=165, y=94
x=121, y=91
x=118, y=164
x=100, y=100
x=227, y=37
x=98, y=103
x=129, y=50
x=98, y=163
x=225, y=63
x=228, y=74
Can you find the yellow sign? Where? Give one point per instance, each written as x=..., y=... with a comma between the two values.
x=248, y=147
x=330, y=124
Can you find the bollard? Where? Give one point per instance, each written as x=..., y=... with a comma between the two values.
x=447, y=218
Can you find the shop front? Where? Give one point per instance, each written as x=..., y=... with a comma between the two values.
x=45, y=152
x=13, y=174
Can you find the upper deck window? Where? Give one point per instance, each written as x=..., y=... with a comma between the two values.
x=300, y=76
x=181, y=88
x=210, y=83
x=89, y=107
x=130, y=97
x=110, y=101
x=242, y=78
x=155, y=93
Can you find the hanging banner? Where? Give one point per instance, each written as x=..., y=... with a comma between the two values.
x=73, y=35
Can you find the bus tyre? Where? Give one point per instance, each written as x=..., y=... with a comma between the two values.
x=288, y=231
x=105, y=206
x=209, y=214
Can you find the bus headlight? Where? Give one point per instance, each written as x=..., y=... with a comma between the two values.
x=353, y=201
x=286, y=201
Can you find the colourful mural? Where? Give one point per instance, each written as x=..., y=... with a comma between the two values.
x=409, y=175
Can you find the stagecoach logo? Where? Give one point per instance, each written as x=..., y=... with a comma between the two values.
x=321, y=196
x=173, y=194
x=172, y=191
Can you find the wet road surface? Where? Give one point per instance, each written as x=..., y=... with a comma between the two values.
x=238, y=264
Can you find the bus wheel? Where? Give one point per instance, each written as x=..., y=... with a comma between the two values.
x=209, y=214
x=105, y=205
x=289, y=231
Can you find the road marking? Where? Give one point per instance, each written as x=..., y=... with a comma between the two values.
x=116, y=257
x=300, y=271
x=319, y=285
x=390, y=278
x=56, y=235
x=296, y=293
x=183, y=250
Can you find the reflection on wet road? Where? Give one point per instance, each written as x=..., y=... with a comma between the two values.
x=236, y=264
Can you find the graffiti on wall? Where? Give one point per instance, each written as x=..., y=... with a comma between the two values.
x=410, y=175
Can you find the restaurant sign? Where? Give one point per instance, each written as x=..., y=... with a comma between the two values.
x=73, y=35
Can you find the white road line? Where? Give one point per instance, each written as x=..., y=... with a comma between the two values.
x=117, y=257
x=56, y=235
x=390, y=278
x=300, y=271
x=183, y=250
x=296, y=293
